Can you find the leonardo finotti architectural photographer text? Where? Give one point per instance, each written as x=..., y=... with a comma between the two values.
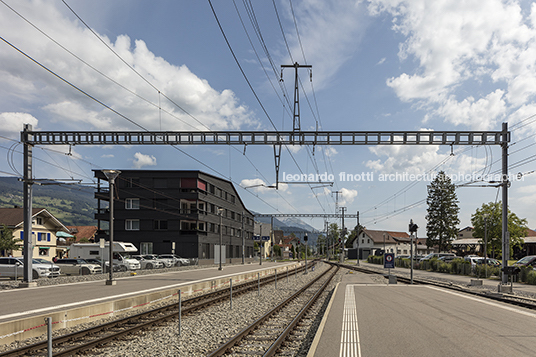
x=396, y=177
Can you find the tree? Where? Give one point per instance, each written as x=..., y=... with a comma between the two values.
x=442, y=217
x=277, y=250
x=7, y=243
x=517, y=227
x=293, y=251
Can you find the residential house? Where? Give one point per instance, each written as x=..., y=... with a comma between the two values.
x=375, y=241
x=264, y=230
x=83, y=233
x=44, y=231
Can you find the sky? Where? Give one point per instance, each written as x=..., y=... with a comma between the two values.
x=216, y=65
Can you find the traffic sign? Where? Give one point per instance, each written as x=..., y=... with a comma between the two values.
x=265, y=238
x=389, y=260
x=256, y=237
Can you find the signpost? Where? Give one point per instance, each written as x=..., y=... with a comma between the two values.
x=389, y=262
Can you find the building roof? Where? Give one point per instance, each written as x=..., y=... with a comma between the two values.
x=391, y=237
x=14, y=217
x=81, y=232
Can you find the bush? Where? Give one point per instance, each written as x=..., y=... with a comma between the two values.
x=531, y=277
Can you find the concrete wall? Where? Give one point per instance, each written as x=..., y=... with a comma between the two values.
x=36, y=327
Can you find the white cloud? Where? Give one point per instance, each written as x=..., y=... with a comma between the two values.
x=330, y=151
x=260, y=186
x=329, y=32
x=475, y=63
x=347, y=196
x=24, y=82
x=141, y=160
x=108, y=156
x=12, y=123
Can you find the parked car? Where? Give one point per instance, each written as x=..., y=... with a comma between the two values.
x=167, y=262
x=529, y=260
x=117, y=267
x=473, y=259
x=448, y=258
x=13, y=268
x=177, y=261
x=78, y=267
x=56, y=271
x=436, y=255
x=148, y=263
x=491, y=262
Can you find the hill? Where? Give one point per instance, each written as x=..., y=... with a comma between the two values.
x=73, y=205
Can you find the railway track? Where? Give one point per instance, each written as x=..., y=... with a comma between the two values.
x=511, y=299
x=98, y=336
x=266, y=335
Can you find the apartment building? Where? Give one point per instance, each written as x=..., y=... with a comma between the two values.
x=165, y=210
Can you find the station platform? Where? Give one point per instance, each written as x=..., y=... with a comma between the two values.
x=370, y=318
x=22, y=311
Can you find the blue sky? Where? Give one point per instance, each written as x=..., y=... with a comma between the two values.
x=376, y=65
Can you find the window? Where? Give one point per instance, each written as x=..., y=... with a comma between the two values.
x=43, y=252
x=146, y=248
x=132, y=224
x=39, y=221
x=132, y=203
x=132, y=182
x=160, y=224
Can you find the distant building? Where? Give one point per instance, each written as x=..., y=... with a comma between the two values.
x=157, y=210
x=466, y=233
x=373, y=241
x=83, y=233
x=45, y=228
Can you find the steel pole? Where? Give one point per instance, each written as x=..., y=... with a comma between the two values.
x=505, y=233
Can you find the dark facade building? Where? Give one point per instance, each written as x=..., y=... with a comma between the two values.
x=154, y=209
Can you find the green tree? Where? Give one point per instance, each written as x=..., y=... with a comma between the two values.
x=277, y=250
x=517, y=227
x=7, y=243
x=442, y=217
x=293, y=251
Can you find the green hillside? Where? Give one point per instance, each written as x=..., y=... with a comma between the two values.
x=73, y=205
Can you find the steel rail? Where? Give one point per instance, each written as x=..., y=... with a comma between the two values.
x=188, y=306
x=222, y=349
x=521, y=301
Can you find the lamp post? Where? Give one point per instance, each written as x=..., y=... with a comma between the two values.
x=486, y=215
x=111, y=175
x=220, y=212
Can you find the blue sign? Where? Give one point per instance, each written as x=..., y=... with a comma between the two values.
x=256, y=237
x=389, y=260
x=265, y=238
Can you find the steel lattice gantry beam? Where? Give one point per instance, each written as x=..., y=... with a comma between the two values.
x=266, y=137
x=322, y=215
x=31, y=138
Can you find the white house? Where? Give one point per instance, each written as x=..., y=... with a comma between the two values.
x=44, y=229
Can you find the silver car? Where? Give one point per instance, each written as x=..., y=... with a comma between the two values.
x=78, y=267
x=13, y=268
x=177, y=261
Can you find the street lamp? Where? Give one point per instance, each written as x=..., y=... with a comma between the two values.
x=220, y=212
x=111, y=175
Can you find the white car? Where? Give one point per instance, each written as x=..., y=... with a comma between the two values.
x=167, y=262
x=13, y=268
x=78, y=267
x=148, y=263
x=177, y=261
